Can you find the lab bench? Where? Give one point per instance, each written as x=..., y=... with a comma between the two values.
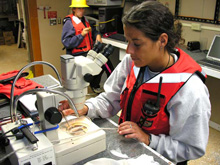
x=130, y=148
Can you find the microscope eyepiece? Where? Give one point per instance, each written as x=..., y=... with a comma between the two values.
x=95, y=50
x=108, y=49
x=97, y=47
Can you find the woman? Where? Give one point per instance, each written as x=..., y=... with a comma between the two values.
x=77, y=34
x=177, y=124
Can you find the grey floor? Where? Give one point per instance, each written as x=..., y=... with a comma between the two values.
x=13, y=58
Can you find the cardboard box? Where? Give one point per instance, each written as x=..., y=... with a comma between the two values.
x=9, y=40
x=7, y=34
x=2, y=41
x=12, y=40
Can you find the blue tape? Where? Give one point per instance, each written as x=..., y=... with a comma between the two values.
x=45, y=130
x=41, y=131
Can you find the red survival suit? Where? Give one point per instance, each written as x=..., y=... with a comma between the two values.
x=21, y=84
x=87, y=42
x=174, y=78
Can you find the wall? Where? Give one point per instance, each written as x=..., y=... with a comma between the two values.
x=196, y=8
x=204, y=9
x=50, y=36
x=205, y=36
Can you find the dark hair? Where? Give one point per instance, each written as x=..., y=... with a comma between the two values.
x=153, y=19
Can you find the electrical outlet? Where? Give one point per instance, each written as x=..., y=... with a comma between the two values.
x=196, y=26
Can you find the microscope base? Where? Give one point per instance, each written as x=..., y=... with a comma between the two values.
x=73, y=149
x=70, y=149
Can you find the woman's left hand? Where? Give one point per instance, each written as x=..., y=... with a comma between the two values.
x=132, y=130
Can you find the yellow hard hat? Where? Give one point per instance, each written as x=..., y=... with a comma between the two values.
x=78, y=3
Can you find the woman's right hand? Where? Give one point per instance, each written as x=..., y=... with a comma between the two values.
x=66, y=110
x=86, y=31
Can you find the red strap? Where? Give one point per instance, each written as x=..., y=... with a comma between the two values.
x=106, y=35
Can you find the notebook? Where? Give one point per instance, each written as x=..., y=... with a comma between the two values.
x=213, y=56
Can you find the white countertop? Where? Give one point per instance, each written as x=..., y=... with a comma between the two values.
x=211, y=72
x=118, y=44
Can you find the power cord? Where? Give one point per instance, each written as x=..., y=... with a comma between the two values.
x=11, y=153
x=4, y=141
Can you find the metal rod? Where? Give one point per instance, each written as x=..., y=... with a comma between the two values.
x=65, y=119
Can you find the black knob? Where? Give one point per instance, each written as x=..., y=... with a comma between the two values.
x=36, y=104
x=52, y=115
x=88, y=77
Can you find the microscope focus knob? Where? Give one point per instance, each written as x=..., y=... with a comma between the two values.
x=52, y=115
x=88, y=77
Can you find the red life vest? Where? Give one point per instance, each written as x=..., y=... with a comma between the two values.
x=21, y=84
x=87, y=42
x=174, y=78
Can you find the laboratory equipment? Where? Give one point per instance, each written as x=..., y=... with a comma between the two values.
x=64, y=145
x=23, y=152
x=78, y=71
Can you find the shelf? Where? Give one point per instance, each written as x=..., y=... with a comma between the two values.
x=9, y=17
